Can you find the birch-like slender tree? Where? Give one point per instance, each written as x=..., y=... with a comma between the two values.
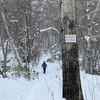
x=7, y=30
x=4, y=50
x=88, y=60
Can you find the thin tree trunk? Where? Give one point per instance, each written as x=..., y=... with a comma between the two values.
x=4, y=54
x=10, y=38
x=88, y=60
x=2, y=74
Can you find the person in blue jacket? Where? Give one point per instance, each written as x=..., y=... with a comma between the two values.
x=44, y=65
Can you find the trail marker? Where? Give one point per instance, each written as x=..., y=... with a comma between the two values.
x=70, y=38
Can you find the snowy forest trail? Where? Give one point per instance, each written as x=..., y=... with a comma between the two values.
x=40, y=91
x=47, y=86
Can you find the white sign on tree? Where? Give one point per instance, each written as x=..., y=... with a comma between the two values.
x=70, y=38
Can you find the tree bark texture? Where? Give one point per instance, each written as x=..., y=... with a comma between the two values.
x=70, y=63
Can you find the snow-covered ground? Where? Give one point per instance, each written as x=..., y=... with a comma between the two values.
x=48, y=86
x=90, y=86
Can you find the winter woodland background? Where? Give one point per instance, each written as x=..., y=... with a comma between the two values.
x=34, y=28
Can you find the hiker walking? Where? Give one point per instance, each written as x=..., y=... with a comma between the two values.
x=44, y=65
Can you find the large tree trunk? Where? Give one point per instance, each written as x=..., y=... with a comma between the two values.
x=10, y=38
x=71, y=76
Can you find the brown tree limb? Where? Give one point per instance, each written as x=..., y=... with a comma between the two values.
x=2, y=74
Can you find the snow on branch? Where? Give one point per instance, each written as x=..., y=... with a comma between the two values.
x=92, y=38
x=43, y=30
x=87, y=38
x=13, y=21
x=54, y=46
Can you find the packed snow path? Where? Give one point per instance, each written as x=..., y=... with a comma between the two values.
x=46, y=87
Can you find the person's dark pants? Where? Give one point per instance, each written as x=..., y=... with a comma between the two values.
x=44, y=70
